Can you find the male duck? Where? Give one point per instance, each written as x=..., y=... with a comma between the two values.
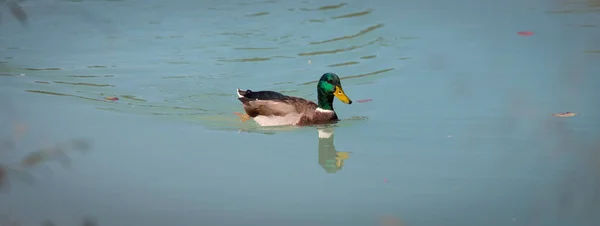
x=270, y=108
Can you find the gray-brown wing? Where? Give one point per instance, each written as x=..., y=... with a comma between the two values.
x=277, y=107
x=302, y=105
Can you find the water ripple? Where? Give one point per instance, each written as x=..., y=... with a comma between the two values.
x=198, y=87
x=176, y=77
x=362, y=32
x=356, y=14
x=250, y=48
x=257, y=14
x=83, y=84
x=254, y=59
x=42, y=69
x=90, y=76
x=257, y=3
x=343, y=64
x=131, y=97
x=334, y=51
x=10, y=74
x=352, y=76
x=316, y=21
x=579, y=6
x=62, y=94
x=326, y=7
x=368, y=57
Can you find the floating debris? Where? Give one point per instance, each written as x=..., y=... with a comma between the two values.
x=565, y=114
x=525, y=33
x=112, y=98
x=364, y=100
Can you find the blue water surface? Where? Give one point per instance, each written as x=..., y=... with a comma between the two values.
x=459, y=130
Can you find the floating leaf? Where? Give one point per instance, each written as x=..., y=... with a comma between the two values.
x=564, y=114
x=525, y=33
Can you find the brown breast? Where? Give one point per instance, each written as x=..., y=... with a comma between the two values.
x=319, y=117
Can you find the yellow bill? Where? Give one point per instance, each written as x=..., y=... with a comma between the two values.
x=339, y=93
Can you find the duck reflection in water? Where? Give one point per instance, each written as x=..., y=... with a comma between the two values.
x=329, y=158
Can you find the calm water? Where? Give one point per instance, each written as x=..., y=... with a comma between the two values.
x=459, y=131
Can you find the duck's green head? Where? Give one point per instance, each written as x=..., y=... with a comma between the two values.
x=329, y=85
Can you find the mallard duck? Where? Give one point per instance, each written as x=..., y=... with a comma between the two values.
x=270, y=108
